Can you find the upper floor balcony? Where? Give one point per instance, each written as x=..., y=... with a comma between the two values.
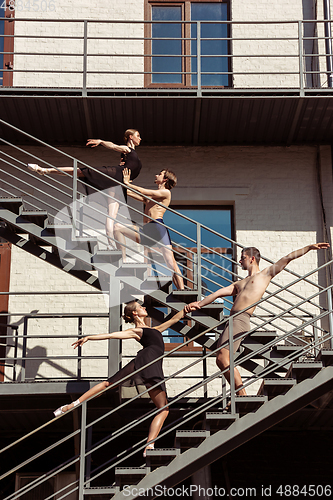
x=261, y=69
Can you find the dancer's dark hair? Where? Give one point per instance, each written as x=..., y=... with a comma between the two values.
x=128, y=311
x=171, y=179
x=252, y=252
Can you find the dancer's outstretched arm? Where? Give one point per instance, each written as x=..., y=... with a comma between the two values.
x=156, y=194
x=164, y=326
x=276, y=268
x=108, y=144
x=131, y=333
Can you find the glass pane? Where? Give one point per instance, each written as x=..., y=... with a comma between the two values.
x=167, y=48
x=210, y=65
x=216, y=267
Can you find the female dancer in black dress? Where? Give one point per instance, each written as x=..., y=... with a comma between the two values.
x=153, y=347
x=129, y=160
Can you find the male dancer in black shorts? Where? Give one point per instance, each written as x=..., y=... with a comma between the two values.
x=152, y=232
x=246, y=292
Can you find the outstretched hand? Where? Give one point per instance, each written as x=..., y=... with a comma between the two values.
x=93, y=142
x=127, y=176
x=319, y=246
x=193, y=306
x=80, y=342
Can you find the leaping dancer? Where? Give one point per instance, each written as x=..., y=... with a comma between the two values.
x=130, y=160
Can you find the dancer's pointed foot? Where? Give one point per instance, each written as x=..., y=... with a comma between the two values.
x=37, y=168
x=63, y=409
x=150, y=446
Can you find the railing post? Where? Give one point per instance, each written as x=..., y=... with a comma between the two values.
x=330, y=315
x=79, y=351
x=316, y=338
x=300, y=53
x=199, y=93
x=15, y=354
x=85, y=54
x=204, y=371
x=232, y=366
x=82, y=449
x=199, y=260
x=24, y=347
x=74, y=202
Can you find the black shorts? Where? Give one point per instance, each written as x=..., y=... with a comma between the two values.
x=154, y=233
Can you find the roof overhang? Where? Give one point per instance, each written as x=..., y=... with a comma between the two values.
x=264, y=118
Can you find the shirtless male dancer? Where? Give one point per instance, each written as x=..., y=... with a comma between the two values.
x=153, y=232
x=246, y=292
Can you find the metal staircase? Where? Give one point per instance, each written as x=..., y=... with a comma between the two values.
x=288, y=351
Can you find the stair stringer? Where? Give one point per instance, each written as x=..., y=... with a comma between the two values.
x=241, y=431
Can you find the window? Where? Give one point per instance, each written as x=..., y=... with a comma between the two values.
x=216, y=251
x=6, y=45
x=174, y=32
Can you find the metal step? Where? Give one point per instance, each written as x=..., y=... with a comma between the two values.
x=249, y=404
x=139, y=270
x=12, y=204
x=216, y=421
x=163, y=283
x=160, y=457
x=101, y=490
x=263, y=337
x=246, y=428
x=304, y=370
x=285, y=350
x=62, y=230
x=190, y=438
x=38, y=217
x=272, y=387
x=103, y=257
x=129, y=475
x=325, y=356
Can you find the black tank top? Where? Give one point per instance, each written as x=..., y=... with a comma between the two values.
x=132, y=162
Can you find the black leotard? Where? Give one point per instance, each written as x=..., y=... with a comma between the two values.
x=100, y=182
x=153, y=347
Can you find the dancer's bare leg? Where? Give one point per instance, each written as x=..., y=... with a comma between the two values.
x=159, y=399
x=113, y=207
x=223, y=361
x=121, y=232
x=173, y=266
x=59, y=170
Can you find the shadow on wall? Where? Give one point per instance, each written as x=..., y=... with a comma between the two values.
x=32, y=365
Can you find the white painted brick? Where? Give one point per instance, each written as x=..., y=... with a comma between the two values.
x=274, y=216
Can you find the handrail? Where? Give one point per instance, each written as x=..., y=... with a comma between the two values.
x=209, y=354
x=86, y=51
x=132, y=208
x=288, y=358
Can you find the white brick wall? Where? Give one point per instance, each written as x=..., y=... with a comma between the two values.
x=276, y=41
x=57, y=65
x=279, y=213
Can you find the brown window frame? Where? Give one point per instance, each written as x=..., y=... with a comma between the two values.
x=8, y=46
x=186, y=44
x=5, y=260
x=190, y=347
